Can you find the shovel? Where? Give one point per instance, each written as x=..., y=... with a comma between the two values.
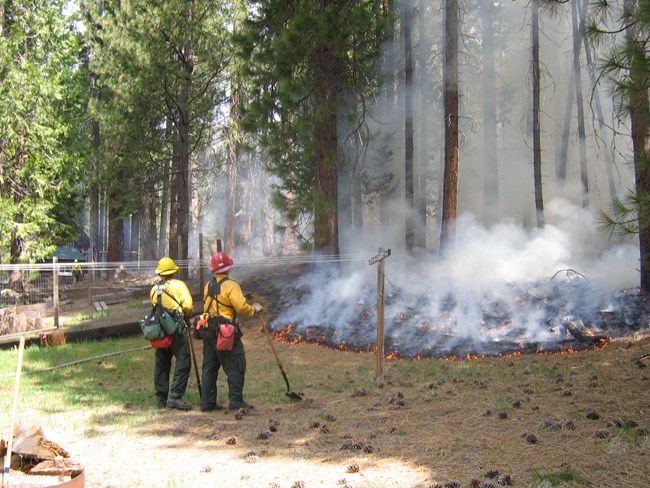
x=291, y=394
x=193, y=354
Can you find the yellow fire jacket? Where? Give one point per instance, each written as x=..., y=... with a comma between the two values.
x=179, y=292
x=232, y=301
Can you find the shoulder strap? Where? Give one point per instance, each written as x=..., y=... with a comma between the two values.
x=214, y=289
x=214, y=286
x=161, y=290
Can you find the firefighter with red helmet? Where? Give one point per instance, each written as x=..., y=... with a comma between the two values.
x=175, y=297
x=223, y=300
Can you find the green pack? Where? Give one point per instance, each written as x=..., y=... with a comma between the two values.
x=159, y=323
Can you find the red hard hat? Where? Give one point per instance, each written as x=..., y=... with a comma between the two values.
x=220, y=262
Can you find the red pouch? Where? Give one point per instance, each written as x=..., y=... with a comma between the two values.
x=226, y=337
x=162, y=343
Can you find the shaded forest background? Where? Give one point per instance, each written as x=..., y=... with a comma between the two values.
x=322, y=126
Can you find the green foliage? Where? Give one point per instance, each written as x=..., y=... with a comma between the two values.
x=556, y=479
x=282, y=48
x=143, y=54
x=631, y=434
x=626, y=66
x=622, y=219
x=41, y=130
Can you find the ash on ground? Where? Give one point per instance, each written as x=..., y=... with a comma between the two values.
x=545, y=316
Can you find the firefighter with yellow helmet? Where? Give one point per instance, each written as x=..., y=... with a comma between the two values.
x=175, y=297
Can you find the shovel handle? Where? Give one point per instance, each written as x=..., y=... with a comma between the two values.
x=275, y=353
x=193, y=355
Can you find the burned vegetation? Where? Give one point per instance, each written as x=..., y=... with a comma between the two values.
x=552, y=315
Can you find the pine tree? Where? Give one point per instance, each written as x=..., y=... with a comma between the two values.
x=307, y=62
x=42, y=97
x=627, y=66
x=160, y=68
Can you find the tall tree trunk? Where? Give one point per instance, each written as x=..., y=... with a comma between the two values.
x=563, y=153
x=234, y=188
x=134, y=245
x=249, y=209
x=232, y=163
x=490, y=166
x=424, y=145
x=245, y=234
x=95, y=237
x=611, y=179
x=578, y=34
x=392, y=95
x=148, y=242
x=450, y=79
x=165, y=201
x=325, y=136
x=267, y=232
x=18, y=218
x=115, y=232
x=180, y=183
x=179, y=208
x=640, y=122
x=409, y=224
x=14, y=246
x=127, y=239
x=103, y=227
x=537, y=147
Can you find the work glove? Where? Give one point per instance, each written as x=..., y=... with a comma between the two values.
x=257, y=307
x=203, y=321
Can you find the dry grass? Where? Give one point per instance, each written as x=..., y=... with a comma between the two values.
x=483, y=422
x=431, y=423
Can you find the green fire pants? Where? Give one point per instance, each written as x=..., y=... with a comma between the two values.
x=181, y=351
x=234, y=365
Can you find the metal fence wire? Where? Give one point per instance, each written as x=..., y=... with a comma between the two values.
x=28, y=284
x=29, y=293
x=34, y=284
x=24, y=288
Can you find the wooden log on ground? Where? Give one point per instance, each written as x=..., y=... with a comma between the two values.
x=57, y=467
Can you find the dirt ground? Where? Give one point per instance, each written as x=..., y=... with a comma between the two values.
x=480, y=423
x=565, y=412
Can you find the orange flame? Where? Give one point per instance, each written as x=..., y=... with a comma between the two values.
x=314, y=336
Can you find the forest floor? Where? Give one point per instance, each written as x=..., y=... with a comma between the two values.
x=574, y=419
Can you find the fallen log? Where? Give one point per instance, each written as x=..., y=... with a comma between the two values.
x=57, y=467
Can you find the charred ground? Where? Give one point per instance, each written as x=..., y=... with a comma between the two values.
x=568, y=315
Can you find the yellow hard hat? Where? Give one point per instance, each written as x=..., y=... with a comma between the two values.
x=166, y=267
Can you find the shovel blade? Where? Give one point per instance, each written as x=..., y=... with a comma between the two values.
x=293, y=395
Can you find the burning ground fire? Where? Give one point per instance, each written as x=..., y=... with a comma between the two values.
x=548, y=318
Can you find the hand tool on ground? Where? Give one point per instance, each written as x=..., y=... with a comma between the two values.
x=193, y=354
x=291, y=394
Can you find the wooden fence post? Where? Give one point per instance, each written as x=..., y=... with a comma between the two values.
x=55, y=290
x=380, y=257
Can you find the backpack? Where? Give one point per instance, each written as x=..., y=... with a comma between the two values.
x=159, y=323
x=214, y=289
x=211, y=328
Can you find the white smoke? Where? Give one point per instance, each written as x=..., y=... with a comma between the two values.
x=499, y=282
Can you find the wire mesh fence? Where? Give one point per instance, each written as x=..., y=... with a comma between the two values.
x=38, y=298
x=26, y=284
x=33, y=284
x=33, y=296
